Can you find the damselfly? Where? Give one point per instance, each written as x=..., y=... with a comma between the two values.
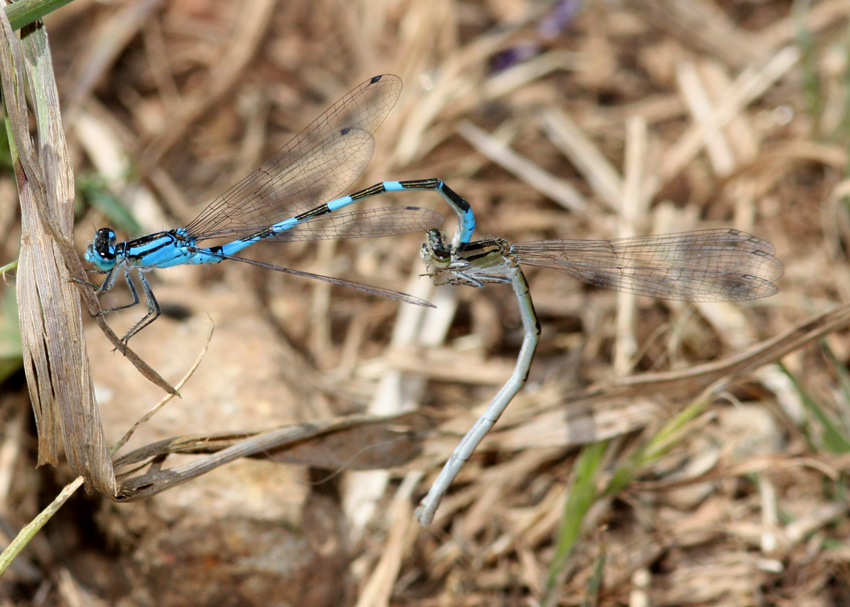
x=277, y=203
x=708, y=265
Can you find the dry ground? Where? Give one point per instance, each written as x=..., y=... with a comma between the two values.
x=712, y=485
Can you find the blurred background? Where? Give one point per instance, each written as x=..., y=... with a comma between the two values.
x=567, y=119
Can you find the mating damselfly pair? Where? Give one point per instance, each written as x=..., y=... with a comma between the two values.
x=281, y=201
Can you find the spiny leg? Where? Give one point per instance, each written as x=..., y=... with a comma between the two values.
x=154, y=310
x=109, y=282
x=106, y=285
x=96, y=288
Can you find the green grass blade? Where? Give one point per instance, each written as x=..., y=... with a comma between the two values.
x=581, y=497
x=834, y=438
x=24, y=12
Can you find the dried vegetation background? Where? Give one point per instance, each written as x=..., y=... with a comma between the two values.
x=565, y=120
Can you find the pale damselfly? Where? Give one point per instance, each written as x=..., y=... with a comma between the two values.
x=708, y=265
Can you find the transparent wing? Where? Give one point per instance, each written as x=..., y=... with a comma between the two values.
x=315, y=166
x=708, y=265
x=363, y=224
x=382, y=292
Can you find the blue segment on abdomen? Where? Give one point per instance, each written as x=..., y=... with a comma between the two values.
x=333, y=205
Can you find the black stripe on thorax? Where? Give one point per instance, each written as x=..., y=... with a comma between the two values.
x=481, y=249
x=168, y=239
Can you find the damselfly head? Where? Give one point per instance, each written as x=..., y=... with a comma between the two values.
x=435, y=252
x=101, y=252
